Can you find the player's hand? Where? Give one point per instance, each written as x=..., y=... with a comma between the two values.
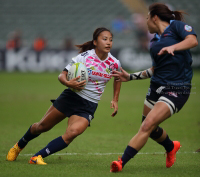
x=73, y=83
x=114, y=104
x=122, y=76
x=165, y=50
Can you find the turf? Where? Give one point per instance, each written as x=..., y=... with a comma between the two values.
x=24, y=99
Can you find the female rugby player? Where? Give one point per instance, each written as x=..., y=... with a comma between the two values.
x=171, y=76
x=78, y=106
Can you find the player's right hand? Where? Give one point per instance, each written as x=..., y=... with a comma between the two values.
x=75, y=84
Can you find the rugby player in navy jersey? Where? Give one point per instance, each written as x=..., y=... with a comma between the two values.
x=170, y=85
x=80, y=106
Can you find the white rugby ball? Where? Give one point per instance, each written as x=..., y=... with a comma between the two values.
x=78, y=69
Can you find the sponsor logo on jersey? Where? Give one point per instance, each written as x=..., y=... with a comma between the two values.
x=167, y=34
x=188, y=28
x=100, y=74
x=89, y=71
x=111, y=67
x=84, y=54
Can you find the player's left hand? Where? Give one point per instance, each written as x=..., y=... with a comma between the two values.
x=165, y=50
x=114, y=104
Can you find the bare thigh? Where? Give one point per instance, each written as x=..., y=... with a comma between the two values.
x=50, y=119
x=76, y=126
x=146, y=110
x=157, y=115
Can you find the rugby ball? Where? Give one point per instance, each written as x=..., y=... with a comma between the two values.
x=78, y=69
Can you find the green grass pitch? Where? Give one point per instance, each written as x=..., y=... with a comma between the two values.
x=24, y=99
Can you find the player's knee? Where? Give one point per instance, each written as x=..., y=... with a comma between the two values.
x=157, y=133
x=147, y=126
x=71, y=134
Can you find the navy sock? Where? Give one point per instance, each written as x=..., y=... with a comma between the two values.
x=54, y=146
x=168, y=144
x=128, y=154
x=28, y=136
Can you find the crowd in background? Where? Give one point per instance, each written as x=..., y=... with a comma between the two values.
x=119, y=25
x=40, y=43
x=137, y=23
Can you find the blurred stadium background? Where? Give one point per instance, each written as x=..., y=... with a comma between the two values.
x=40, y=35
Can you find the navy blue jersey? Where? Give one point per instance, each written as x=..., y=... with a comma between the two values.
x=172, y=70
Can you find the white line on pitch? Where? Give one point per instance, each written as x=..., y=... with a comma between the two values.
x=102, y=154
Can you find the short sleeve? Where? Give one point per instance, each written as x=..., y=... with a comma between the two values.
x=76, y=59
x=182, y=29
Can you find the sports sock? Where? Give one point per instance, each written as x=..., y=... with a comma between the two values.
x=128, y=154
x=28, y=136
x=54, y=146
x=167, y=144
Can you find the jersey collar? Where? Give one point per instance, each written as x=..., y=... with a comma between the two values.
x=157, y=36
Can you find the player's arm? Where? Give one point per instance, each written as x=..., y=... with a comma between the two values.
x=114, y=102
x=123, y=76
x=142, y=74
x=189, y=42
x=72, y=83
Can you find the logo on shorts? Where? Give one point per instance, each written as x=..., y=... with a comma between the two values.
x=172, y=94
x=149, y=92
x=188, y=28
x=159, y=90
x=90, y=117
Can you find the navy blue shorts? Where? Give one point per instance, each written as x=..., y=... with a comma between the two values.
x=69, y=103
x=174, y=96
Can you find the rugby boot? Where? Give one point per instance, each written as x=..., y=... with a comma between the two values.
x=37, y=160
x=13, y=153
x=116, y=166
x=171, y=156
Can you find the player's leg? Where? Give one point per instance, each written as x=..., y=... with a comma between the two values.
x=76, y=126
x=51, y=118
x=158, y=114
x=158, y=134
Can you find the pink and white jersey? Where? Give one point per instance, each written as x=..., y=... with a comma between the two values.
x=98, y=73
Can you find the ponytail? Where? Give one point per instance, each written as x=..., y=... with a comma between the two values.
x=178, y=15
x=86, y=46
x=164, y=13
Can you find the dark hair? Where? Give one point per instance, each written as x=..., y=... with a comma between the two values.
x=164, y=13
x=89, y=45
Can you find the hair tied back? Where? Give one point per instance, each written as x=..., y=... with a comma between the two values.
x=173, y=14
